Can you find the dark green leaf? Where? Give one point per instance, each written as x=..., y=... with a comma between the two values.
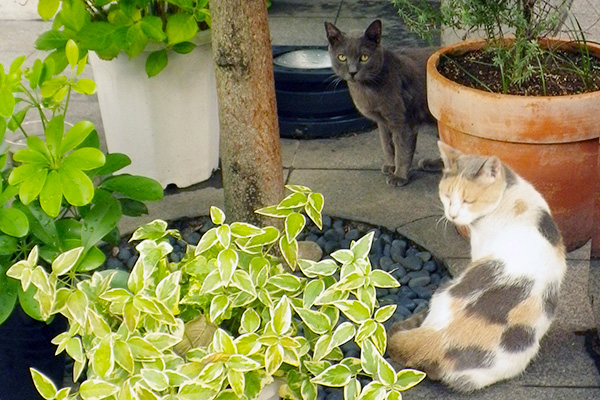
x=96, y=35
x=50, y=40
x=184, y=47
x=135, y=187
x=113, y=163
x=156, y=62
x=8, y=294
x=133, y=208
x=28, y=303
x=102, y=218
x=40, y=224
x=152, y=26
x=181, y=28
x=13, y=222
x=76, y=186
x=8, y=245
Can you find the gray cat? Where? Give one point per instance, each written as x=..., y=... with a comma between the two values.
x=388, y=88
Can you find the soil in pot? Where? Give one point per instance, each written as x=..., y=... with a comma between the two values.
x=560, y=77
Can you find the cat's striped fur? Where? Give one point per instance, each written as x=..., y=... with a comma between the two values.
x=486, y=324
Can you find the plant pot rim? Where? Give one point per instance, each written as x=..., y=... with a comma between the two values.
x=523, y=119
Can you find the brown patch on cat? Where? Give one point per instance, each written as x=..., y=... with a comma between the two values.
x=518, y=338
x=477, y=278
x=416, y=347
x=469, y=358
x=470, y=330
x=525, y=312
x=496, y=303
x=520, y=207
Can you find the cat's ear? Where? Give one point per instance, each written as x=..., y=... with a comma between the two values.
x=373, y=32
x=490, y=171
x=449, y=155
x=334, y=35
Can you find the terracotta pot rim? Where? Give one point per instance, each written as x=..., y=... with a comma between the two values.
x=473, y=44
x=511, y=118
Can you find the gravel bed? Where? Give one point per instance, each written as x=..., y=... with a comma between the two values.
x=418, y=272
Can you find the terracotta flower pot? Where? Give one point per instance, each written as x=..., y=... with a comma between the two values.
x=552, y=141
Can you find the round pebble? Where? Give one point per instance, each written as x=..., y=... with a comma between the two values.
x=419, y=281
x=353, y=234
x=412, y=263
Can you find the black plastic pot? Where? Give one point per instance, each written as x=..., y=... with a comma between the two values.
x=26, y=343
x=312, y=103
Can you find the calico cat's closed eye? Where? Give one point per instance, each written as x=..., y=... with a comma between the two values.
x=342, y=57
x=364, y=57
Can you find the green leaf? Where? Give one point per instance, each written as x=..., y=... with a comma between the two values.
x=227, y=262
x=66, y=261
x=224, y=235
x=373, y=391
x=273, y=211
x=286, y=281
x=47, y=8
x=123, y=356
x=141, y=349
x=96, y=389
x=314, y=320
x=8, y=246
x=72, y=53
x=355, y=310
x=101, y=219
x=136, y=39
x=155, y=379
x=134, y=187
x=51, y=195
x=289, y=250
x=312, y=290
x=366, y=329
x=184, y=47
x=363, y=246
x=385, y=313
x=85, y=86
x=369, y=357
x=352, y=390
x=181, y=28
x=13, y=222
x=273, y=358
x=382, y=279
x=270, y=235
x=50, y=40
x=195, y=391
x=85, y=159
x=294, y=223
x=152, y=26
x=7, y=102
x=338, y=375
x=103, y=359
x=76, y=186
x=218, y=307
x=281, y=316
x=30, y=188
x=43, y=384
x=77, y=305
x=242, y=363
x=217, y=216
x=407, y=378
x=342, y=334
x=292, y=201
x=250, y=321
x=156, y=62
x=113, y=163
x=8, y=294
x=75, y=135
x=385, y=372
x=322, y=268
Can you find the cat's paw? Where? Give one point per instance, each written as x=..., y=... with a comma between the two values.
x=430, y=164
x=396, y=181
x=388, y=169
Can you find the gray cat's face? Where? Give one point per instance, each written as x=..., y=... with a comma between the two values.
x=355, y=56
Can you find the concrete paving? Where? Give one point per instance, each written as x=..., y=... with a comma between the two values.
x=347, y=171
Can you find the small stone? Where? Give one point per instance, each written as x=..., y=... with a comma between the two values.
x=387, y=250
x=397, y=271
x=376, y=232
x=192, y=238
x=386, y=238
x=404, y=280
x=335, y=395
x=408, y=292
x=400, y=244
x=341, y=232
x=396, y=253
x=321, y=242
x=332, y=235
x=175, y=257
x=131, y=262
x=353, y=234
x=402, y=311
x=331, y=246
x=424, y=255
x=312, y=237
x=419, y=281
x=412, y=252
x=338, y=223
x=309, y=250
x=381, y=293
x=430, y=266
x=345, y=244
x=412, y=263
x=326, y=221
x=114, y=263
x=385, y=263
x=435, y=279
x=423, y=292
x=414, y=274
x=393, y=290
x=407, y=302
x=124, y=254
x=207, y=225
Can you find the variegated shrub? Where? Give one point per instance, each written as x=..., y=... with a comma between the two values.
x=273, y=316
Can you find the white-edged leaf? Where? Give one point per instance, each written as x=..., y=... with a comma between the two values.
x=66, y=261
x=338, y=375
x=217, y=216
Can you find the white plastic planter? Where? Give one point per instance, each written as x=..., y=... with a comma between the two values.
x=168, y=124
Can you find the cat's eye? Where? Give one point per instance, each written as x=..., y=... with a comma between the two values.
x=465, y=201
x=342, y=57
x=364, y=57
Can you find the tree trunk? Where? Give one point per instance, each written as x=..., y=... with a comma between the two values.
x=250, y=145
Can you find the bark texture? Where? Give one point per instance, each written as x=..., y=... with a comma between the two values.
x=250, y=144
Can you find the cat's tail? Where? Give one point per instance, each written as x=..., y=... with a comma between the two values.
x=420, y=348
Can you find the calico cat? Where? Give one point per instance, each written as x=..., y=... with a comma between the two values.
x=388, y=88
x=486, y=324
